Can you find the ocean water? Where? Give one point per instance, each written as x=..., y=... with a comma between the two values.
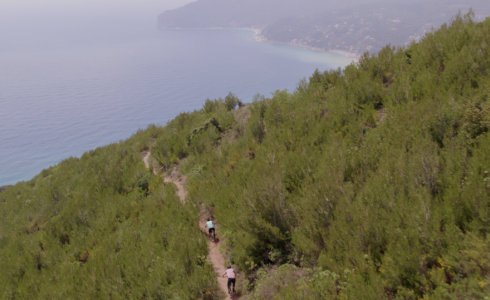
x=68, y=89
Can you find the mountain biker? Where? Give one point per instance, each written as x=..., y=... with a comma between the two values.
x=231, y=274
x=210, y=225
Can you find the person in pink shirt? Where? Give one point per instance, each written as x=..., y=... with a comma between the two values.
x=231, y=274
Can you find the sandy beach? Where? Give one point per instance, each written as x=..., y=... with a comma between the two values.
x=261, y=39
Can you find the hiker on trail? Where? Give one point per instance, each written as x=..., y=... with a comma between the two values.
x=210, y=225
x=231, y=274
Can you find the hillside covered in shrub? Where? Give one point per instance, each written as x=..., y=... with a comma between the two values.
x=371, y=182
x=102, y=227
x=366, y=183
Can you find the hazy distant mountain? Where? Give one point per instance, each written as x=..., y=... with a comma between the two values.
x=352, y=25
x=367, y=27
x=236, y=13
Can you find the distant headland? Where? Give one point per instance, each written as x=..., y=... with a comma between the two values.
x=349, y=28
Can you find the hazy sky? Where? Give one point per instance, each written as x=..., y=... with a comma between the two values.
x=150, y=8
x=27, y=13
x=164, y=4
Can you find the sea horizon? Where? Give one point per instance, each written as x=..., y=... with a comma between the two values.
x=90, y=88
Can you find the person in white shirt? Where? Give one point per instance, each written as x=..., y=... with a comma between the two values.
x=210, y=225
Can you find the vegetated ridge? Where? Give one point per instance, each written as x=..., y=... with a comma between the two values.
x=215, y=257
x=371, y=182
x=349, y=26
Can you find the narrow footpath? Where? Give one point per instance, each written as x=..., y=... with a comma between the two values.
x=215, y=257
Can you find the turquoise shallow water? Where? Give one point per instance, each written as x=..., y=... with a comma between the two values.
x=64, y=91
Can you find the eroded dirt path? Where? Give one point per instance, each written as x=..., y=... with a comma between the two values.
x=217, y=260
x=215, y=257
x=146, y=160
x=172, y=177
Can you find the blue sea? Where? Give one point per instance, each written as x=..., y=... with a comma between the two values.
x=68, y=89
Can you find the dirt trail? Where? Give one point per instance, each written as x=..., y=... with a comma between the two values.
x=146, y=160
x=217, y=260
x=215, y=257
x=173, y=178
